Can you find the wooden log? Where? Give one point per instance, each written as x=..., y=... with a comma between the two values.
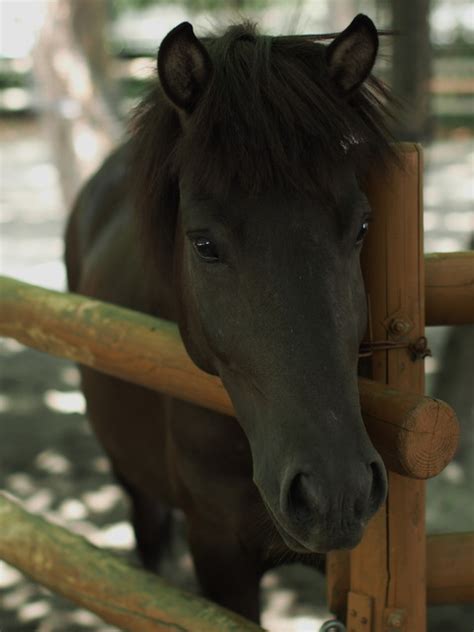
x=117, y=341
x=122, y=595
x=417, y=436
x=449, y=288
x=450, y=568
x=449, y=571
x=388, y=568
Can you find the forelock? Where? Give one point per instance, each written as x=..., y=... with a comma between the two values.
x=272, y=118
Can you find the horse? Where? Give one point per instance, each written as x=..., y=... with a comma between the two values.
x=235, y=208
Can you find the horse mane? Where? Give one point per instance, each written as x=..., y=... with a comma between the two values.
x=270, y=118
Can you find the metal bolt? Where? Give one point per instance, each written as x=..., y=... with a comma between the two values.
x=395, y=620
x=399, y=326
x=332, y=626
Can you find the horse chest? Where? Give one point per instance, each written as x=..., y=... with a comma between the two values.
x=208, y=442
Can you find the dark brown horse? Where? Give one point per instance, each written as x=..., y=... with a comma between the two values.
x=236, y=210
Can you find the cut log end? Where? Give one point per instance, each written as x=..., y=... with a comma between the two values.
x=415, y=435
x=428, y=451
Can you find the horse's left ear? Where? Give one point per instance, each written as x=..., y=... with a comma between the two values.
x=351, y=56
x=184, y=67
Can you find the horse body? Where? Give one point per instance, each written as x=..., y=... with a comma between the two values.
x=166, y=452
x=255, y=254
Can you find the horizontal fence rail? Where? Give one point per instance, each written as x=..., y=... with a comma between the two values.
x=415, y=435
x=450, y=568
x=129, y=598
x=449, y=571
x=449, y=287
x=99, y=581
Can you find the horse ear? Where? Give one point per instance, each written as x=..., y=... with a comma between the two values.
x=184, y=67
x=351, y=56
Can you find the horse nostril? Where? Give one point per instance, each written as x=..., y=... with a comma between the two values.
x=378, y=490
x=302, y=499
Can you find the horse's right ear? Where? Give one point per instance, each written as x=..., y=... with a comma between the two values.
x=184, y=67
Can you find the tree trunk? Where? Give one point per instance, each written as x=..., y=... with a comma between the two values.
x=412, y=67
x=70, y=65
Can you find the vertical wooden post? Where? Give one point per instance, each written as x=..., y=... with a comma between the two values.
x=387, y=570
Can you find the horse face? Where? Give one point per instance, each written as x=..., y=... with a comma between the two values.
x=272, y=300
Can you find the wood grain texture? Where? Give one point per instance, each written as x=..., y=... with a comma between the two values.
x=450, y=568
x=120, y=594
x=390, y=563
x=417, y=436
x=117, y=341
x=449, y=572
x=449, y=288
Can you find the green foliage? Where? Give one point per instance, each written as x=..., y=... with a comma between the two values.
x=11, y=79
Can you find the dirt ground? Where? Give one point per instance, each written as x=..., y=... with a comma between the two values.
x=50, y=460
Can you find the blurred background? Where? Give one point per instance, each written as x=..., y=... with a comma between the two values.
x=70, y=73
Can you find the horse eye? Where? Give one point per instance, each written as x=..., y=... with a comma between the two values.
x=206, y=249
x=362, y=232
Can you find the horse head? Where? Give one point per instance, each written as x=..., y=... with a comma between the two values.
x=268, y=140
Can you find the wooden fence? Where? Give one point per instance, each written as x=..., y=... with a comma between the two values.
x=382, y=585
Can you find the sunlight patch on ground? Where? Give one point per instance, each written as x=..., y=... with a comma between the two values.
x=40, y=501
x=79, y=527
x=8, y=345
x=70, y=402
x=24, y=405
x=72, y=509
x=431, y=365
x=5, y=403
x=20, y=483
x=269, y=580
x=16, y=598
x=70, y=376
x=186, y=563
x=101, y=464
x=9, y=576
x=84, y=618
x=53, y=462
x=104, y=499
x=281, y=600
x=34, y=610
x=116, y=536
x=453, y=473
x=306, y=624
x=295, y=624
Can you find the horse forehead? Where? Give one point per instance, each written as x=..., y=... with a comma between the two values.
x=303, y=216
x=288, y=206
x=237, y=207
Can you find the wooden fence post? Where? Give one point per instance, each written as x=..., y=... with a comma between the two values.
x=388, y=569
